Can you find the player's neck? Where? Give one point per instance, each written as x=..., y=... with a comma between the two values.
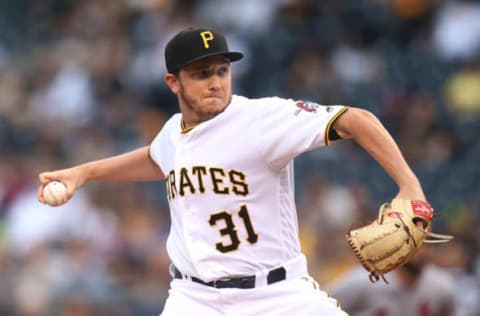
x=191, y=119
x=188, y=121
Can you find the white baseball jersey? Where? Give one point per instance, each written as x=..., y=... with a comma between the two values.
x=230, y=184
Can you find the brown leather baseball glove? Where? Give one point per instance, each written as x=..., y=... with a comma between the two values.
x=394, y=237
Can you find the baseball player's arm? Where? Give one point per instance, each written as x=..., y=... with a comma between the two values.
x=370, y=134
x=136, y=165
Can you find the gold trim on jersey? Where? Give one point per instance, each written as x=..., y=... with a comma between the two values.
x=316, y=286
x=333, y=298
x=332, y=120
x=184, y=128
x=312, y=282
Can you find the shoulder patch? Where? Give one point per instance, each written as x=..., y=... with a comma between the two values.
x=310, y=107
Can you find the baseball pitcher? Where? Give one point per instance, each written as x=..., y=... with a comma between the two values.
x=227, y=162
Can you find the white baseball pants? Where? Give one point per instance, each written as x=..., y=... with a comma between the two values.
x=298, y=295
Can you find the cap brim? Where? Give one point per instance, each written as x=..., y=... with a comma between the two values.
x=232, y=56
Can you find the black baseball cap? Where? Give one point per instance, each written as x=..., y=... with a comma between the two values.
x=193, y=44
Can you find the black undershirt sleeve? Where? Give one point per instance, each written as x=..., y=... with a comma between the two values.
x=333, y=135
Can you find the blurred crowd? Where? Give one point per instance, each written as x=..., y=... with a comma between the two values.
x=82, y=80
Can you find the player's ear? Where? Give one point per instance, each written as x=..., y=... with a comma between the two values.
x=172, y=82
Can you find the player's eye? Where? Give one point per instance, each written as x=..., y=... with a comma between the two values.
x=201, y=74
x=222, y=71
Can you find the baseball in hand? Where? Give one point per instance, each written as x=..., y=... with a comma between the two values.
x=54, y=193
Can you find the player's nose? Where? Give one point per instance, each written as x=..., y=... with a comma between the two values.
x=215, y=82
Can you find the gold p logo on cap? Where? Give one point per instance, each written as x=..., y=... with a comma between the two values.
x=206, y=37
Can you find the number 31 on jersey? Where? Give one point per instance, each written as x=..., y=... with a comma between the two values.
x=230, y=229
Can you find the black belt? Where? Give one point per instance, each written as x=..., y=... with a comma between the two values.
x=246, y=282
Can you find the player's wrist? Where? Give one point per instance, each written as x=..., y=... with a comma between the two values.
x=83, y=173
x=410, y=193
x=410, y=189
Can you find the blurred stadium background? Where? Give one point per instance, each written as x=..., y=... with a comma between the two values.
x=83, y=79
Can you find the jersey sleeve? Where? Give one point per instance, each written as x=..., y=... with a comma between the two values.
x=160, y=144
x=290, y=128
x=155, y=148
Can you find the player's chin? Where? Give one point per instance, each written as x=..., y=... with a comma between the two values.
x=214, y=106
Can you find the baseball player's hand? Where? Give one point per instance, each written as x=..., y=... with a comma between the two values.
x=414, y=193
x=72, y=178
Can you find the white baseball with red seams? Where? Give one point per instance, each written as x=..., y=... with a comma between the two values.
x=54, y=193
